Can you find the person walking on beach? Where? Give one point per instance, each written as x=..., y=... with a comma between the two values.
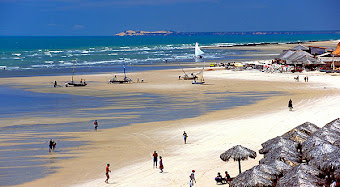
x=50, y=145
x=155, y=155
x=185, y=136
x=107, y=170
x=161, y=167
x=95, y=125
x=290, y=105
x=192, y=178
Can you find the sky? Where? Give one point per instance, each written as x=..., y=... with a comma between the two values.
x=108, y=17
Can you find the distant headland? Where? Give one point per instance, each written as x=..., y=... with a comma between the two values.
x=166, y=33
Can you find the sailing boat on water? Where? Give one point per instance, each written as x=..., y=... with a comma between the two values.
x=198, y=52
x=73, y=83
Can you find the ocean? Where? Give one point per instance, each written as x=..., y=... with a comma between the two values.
x=25, y=56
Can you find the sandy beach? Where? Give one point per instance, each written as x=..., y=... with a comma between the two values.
x=129, y=149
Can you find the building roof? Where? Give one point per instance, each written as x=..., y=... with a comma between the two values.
x=300, y=47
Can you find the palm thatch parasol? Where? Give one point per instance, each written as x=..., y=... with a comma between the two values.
x=335, y=125
x=253, y=177
x=238, y=153
x=301, y=175
x=277, y=164
x=284, y=154
x=320, y=151
x=328, y=163
x=302, y=132
x=327, y=134
x=337, y=143
x=311, y=142
x=276, y=143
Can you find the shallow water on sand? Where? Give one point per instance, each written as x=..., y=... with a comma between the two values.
x=24, y=147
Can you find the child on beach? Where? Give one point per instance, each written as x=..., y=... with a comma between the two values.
x=155, y=155
x=161, y=167
x=185, y=137
x=107, y=173
x=192, y=178
x=95, y=125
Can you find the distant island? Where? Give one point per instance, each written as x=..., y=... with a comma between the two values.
x=166, y=33
x=144, y=33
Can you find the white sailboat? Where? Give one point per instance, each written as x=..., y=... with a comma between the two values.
x=199, y=76
x=198, y=51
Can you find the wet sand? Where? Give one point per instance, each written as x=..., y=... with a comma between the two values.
x=128, y=149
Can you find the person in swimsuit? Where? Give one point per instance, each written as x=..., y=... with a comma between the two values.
x=155, y=155
x=95, y=125
x=185, y=136
x=50, y=145
x=161, y=167
x=107, y=173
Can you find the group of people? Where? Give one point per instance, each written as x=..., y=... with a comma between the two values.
x=155, y=156
x=220, y=179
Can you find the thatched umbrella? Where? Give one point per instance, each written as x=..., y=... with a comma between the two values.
x=319, y=151
x=327, y=134
x=302, y=132
x=311, y=142
x=284, y=154
x=238, y=153
x=276, y=143
x=337, y=143
x=301, y=175
x=329, y=162
x=277, y=164
x=253, y=177
x=335, y=125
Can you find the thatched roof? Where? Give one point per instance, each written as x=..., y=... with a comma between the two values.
x=333, y=125
x=311, y=142
x=327, y=134
x=328, y=162
x=285, y=54
x=253, y=177
x=302, y=132
x=319, y=151
x=300, y=47
x=277, y=164
x=301, y=175
x=337, y=143
x=284, y=154
x=267, y=169
x=276, y=143
x=238, y=153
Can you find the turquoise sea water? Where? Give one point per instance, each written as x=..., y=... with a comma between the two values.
x=51, y=55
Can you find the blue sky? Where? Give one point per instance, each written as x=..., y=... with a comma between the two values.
x=107, y=17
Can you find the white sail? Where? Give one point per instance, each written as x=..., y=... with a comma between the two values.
x=198, y=51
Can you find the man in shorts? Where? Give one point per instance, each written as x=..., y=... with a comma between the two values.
x=107, y=173
x=155, y=155
x=192, y=178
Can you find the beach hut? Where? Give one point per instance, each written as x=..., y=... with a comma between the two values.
x=238, y=153
x=278, y=142
x=300, y=47
x=301, y=175
x=253, y=177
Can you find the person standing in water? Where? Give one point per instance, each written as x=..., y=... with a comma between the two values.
x=95, y=123
x=185, y=136
x=155, y=155
x=50, y=145
x=107, y=170
x=161, y=167
x=290, y=105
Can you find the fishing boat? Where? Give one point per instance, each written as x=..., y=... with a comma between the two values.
x=125, y=79
x=82, y=82
x=198, y=52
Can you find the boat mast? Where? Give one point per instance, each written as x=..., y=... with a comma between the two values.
x=75, y=59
